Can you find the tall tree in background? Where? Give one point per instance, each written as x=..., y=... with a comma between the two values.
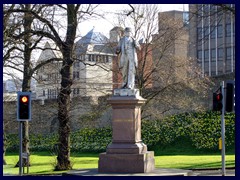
x=170, y=79
x=18, y=50
x=49, y=24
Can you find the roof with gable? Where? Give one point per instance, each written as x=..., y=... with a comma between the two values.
x=47, y=53
x=93, y=37
x=96, y=40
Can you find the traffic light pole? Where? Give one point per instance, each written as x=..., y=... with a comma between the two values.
x=20, y=148
x=23, y=114
x=223, y=130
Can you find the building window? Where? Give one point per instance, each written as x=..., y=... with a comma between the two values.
x=206, y=32
x=199, y=33
x=43, y=93
x=213, y=32
x=228, y=30
x=81, y=57
x=212, y=8
x=52, y=93
x=98, y=58
x=213, y=73
x=229, y=53
x=75, y=74
x=93, y=58
x=213, y=54
x=220, y=54
x=107, y=60
x=206, y=55
x=199, y=55
x=89, y=57
x=40, y=78
x=103, y=58
x=233, y=29
x=220, y=31
x=205, y=8
x=75, y=91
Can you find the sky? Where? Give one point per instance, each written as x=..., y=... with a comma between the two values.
x=105, y=25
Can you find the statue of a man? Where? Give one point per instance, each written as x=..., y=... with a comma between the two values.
x=127, y=47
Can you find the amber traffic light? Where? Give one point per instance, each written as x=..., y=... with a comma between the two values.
x=24, y=106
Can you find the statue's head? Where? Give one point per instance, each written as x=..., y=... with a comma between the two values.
x=127, y=31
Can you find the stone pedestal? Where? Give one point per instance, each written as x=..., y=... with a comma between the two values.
x=127, y=153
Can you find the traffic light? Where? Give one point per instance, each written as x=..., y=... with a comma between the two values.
x=24, y=106
x=229, y=97
x=217, y=101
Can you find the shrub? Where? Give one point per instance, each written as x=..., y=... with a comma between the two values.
x=202, y=129
x=206, y=130
x=91, y=139
x=150, y=132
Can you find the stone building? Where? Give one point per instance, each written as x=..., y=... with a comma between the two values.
x=170, y=47
x=91, y=71
x=48, y=76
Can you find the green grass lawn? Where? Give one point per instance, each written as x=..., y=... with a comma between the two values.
x=43, y=162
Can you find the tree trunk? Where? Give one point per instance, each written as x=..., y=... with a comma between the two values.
x=64, y=121
x=28, y=19
x=63, y=159
x=4, y=148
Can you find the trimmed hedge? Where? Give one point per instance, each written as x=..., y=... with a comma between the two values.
x=91, y=139
x=202, y=129
x=84, y=140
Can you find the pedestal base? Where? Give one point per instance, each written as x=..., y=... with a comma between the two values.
x=127, y=153
x=126, y=163
x=126, y=148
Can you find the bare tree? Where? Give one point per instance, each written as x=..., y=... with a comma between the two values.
x=166, y=77
x=19, y=48
x=49, y=28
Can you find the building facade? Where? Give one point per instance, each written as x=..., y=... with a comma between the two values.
x=212, y=42
x=91, y=71
x=48, y=76
x=170, y=48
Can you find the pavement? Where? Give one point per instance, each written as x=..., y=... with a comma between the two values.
x=156, y=172
x=214, y=172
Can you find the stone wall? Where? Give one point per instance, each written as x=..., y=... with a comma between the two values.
x=84, y=113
